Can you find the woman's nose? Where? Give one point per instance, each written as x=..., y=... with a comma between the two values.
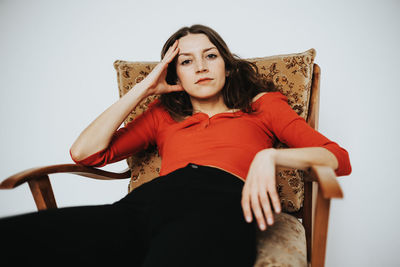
x=201, y=66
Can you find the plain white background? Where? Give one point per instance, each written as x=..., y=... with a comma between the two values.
x=57, y=75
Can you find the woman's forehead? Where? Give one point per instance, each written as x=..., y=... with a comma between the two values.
x=192, y=43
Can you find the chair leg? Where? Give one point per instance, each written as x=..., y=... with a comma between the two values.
x=42, y=193
x=307, y=216
x=320, y=230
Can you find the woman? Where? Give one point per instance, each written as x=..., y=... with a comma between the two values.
x=214, y=126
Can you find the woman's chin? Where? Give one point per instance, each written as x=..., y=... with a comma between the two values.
x=205, y=96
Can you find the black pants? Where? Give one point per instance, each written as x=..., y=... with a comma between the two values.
x=191, y=217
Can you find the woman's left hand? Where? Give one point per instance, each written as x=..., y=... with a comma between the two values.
x=259, y=189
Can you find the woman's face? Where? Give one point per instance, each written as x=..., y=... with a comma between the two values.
x=200, y=67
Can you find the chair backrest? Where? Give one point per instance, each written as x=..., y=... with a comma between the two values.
x=291, y=74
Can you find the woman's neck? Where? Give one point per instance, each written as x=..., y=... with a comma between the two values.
x=209, y=106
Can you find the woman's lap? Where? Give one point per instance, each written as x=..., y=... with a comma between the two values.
x=195, y=219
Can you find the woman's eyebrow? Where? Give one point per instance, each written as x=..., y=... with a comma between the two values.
x=204, y=50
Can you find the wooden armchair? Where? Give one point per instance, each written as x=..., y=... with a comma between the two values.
x=319, y=184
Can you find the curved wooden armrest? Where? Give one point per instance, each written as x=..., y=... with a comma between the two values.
x=326, y=179
x=38, y=172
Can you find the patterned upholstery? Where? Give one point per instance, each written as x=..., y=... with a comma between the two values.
x=291, y=73
x=283, y=244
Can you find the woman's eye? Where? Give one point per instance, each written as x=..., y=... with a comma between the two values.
x=185, y=62
x=212, y=56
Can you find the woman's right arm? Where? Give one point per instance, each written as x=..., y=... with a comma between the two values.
x=98, y=134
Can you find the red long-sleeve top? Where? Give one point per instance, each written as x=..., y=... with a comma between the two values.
x=226, y=140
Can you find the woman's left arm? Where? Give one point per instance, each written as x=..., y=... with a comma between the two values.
x=260, y=185
x=307, y=147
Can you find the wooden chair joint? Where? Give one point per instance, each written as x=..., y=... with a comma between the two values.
x=42, y=193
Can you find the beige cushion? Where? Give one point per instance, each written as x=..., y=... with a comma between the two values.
x=292, y=74
x=282, y=244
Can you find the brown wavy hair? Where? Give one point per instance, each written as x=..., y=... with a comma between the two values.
x=242, y=84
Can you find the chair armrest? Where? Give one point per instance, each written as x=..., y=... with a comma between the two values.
x=326, y=179
x=38, y=172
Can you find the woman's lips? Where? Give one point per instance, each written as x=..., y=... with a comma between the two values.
x=202, y=81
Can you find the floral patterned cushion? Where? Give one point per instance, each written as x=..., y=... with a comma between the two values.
x=291, y=73
x=282, y=244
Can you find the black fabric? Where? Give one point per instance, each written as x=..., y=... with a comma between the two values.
x=191, y=217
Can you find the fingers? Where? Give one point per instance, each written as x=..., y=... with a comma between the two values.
x=265, y=210
x=275, y=199
x=171, y=52
x=156, y=80
x=175, y=88
x=258, y=213
x=259, y=196
x=246, y=205
x=257, y=201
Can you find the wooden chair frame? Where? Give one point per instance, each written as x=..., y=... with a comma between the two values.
x=320, y=186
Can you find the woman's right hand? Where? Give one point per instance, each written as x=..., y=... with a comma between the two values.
x=155, y=83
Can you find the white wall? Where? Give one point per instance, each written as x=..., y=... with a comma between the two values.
x=56, y=76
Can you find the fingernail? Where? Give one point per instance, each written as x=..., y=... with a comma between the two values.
x=262, y=226
x=270, y=221
x=248, y=219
